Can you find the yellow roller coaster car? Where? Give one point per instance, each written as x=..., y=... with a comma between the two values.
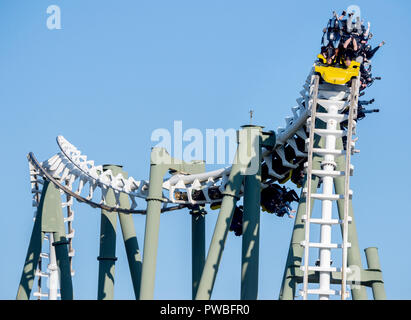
x=335, y=75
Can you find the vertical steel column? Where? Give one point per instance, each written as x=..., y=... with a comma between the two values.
x=107, y=256
x=33, y=254
x=52, y=222
x=231, y=196
x=60, y=243
x=154, y=201
x=251, y=222
x=160, y=163
x=373, y=262
x=353, y=253
x=63, y=264
x=296, y=251
x=197, y=248
x=129, y=235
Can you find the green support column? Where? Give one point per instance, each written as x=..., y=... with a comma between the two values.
x=33, y=255
x=49, y=219
x=197, y=247
x=230, y=197
x=132, y=250
x=154, y=201
x=373, y=262
x=160, y=163
x=62, y=255
x=251, y=224
x=296, y=251
x=53, y=221
x=107, y=256
x=129, y=235
x=353, y=253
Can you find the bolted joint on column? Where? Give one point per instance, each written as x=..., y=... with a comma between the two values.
x=154, y=199
x=107, y=258
x=197, y=210
x=232, y=194
x=59, y=243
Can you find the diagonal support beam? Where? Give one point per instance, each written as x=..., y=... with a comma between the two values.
x=246, y=162
x=296, y=251
x=49, y=219
x=353, y=253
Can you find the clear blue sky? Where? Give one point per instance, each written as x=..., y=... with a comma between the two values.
x=120, y=69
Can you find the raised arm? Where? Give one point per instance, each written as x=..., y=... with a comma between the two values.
x=347, y=42
x=368, y=30
x=354, y=43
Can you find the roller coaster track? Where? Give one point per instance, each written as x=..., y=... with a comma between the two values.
x=71, y=166
x=77, y=177
x=334, y=99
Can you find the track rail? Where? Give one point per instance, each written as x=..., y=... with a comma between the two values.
x=71, y=166
x=334, y=99
x=42, y=171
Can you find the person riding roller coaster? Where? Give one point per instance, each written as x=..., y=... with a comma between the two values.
x=362, y=111
x=338, y=68
x=277, y=199
x=334, y=30
x=345, y=46
x=237, y=221
x=328, y=55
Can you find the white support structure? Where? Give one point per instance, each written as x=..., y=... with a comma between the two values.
x=48, y=253
x=53, y=283
x=334, y=99
x=352, y=115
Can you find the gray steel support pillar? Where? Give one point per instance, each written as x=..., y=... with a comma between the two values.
x=197, y=248
x=33, y=254
x=230, y=197
x=154, y=201
x=251, y=225
x=107, y=256
x=132, y=250
x=160, y=163
x=353, y=253
x=49, y=219
x=53, y=221
x=63, y=263
x=129, y=235
x=373, y=262
x=296, y=251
